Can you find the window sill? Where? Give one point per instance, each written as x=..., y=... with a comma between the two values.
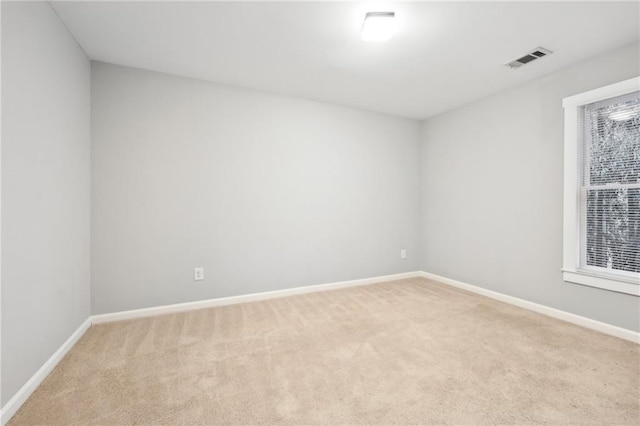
x=598, y=281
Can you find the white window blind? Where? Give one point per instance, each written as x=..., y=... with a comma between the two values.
x=609, y=156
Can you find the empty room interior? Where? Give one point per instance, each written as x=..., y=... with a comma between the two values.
x=332, y=213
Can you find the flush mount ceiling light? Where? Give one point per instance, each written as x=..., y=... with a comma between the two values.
x=378, y=26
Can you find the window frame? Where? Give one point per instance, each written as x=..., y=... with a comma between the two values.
x=572, y=187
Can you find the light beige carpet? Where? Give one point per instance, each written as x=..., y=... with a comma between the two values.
x=410, y=351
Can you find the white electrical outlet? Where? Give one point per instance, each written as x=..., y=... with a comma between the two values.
x=198, y=274
x=403, y=254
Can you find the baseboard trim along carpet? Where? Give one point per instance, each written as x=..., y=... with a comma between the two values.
x=188, y=306
x=12, y=406
x=602, y=327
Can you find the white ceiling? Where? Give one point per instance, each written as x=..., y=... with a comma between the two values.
x=444, y=54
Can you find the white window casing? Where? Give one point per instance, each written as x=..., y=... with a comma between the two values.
x=575, y=269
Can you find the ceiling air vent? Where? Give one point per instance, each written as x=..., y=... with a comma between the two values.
x=536, y=53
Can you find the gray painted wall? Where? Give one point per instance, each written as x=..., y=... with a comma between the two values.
x=492, y=176
x=265, y=192
x=45, y=189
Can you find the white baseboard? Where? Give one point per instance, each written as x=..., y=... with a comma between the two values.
x=12, y=406
x=602, y=327
x=188, y=306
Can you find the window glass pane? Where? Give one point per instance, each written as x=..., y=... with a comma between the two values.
x=614, y=141
x=613, y=229
x=610, y=195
